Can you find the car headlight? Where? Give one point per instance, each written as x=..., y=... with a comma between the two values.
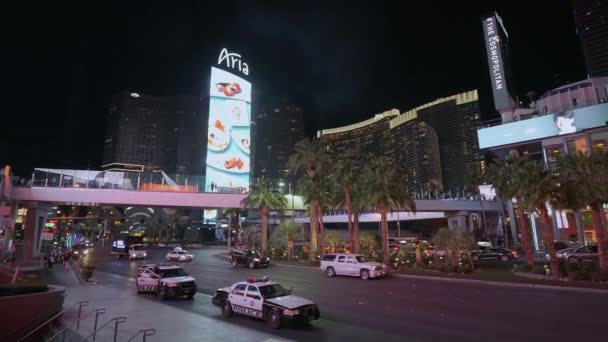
x=268, y=259
x=145, y=254
x=256, y=259
x=133, y=255
x=85, y=252
x=171, y=284
x=75, y=252
x=291, y=312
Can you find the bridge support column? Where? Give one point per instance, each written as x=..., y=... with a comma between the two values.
x=33, y=229
x=459, y=221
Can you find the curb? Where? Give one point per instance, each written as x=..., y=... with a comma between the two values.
x=504, y=284
x=296, y=266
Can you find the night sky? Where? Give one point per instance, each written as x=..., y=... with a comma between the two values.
x=343, y=62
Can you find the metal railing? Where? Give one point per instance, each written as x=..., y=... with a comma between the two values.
x=145, y=333
x=63, y=331
x=116, y=320
x=31, y=333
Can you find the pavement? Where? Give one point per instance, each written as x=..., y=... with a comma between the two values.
x=117, y=295
x=389, y=309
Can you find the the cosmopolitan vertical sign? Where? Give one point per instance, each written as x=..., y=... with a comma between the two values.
x=229, y=135
x=495, y=62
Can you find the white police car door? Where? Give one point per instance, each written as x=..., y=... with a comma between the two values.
x=238, y=299
x=254, y=301
x=148, y=281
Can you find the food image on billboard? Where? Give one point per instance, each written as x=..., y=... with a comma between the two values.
x=228, y=163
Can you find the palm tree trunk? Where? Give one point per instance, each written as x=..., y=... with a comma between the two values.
x=265, y=212
x=549, y=240
x=525, y=233
x=321, y=231
x=350, y=212
x=596, y=212
x=356, y=243
x=314, y=223
x=384, y=231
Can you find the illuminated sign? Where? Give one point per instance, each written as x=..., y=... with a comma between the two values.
x=118, y=244
x=495, y=61
x=233, y=60
x=228, y=161
x=545, y=126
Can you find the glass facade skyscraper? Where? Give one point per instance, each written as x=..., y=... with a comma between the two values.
x=591, y=17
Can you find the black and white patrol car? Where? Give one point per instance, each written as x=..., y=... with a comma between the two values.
x=165, y=280
x=267, y=300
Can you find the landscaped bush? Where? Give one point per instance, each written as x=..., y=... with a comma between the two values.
x=465, y=269
x=599, y=276
x=539, y=269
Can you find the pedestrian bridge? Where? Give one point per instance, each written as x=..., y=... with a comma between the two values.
x=76, y=187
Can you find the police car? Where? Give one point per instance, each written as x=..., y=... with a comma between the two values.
x=266, y=300
x=165, y=280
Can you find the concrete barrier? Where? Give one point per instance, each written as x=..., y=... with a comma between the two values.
x=23, y=313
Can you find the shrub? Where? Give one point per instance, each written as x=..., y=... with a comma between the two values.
x=538, y=269
x=599, y=276
x=466, y=268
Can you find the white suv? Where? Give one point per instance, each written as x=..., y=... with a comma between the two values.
x=351, y=265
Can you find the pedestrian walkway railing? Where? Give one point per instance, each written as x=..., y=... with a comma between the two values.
x=63, y=331
x=50, y=320
x=145, y=333
x=116, y=320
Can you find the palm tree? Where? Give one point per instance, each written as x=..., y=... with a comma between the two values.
x=508, y=178
x=310, y=159
x=315, y=190
x=386, y=194
x=583, y=182
x=290, y=230
x=359, y=201
x=345, y=177
x=542, y=188
x=264, y=197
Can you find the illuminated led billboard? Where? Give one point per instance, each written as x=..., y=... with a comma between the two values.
x=228, y=161
x=545, y=126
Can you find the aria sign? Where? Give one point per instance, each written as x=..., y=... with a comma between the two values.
x=233, y=60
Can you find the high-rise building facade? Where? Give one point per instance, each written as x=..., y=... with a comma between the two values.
x=277, y=130
x=591, y=17
x=145, y=133
x=433, y=146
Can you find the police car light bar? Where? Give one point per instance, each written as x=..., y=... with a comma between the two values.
x=258, y=280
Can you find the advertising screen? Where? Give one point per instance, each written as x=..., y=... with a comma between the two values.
x=228, y=161
x=545, y=126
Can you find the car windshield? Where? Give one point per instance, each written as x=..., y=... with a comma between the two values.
x=138, y=248
x=272, y=291
x=173, y=272
x=360, y=258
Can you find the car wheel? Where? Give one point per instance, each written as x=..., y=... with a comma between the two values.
x=162, y=293
x=573, y=259
x=330, y=272
x=364, y=274
x=227, y=309
x=251, y=264
x=504, y=258
x=234, y=263
x=274, y=318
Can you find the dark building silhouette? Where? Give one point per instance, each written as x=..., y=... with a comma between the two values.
x=591, y=18
x=149, y=133
x=277, y=130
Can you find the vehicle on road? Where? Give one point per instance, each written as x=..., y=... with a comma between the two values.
x=266, y=300
x=354, y=265
x=130, y=246
x=165, y=280
x=80, y=250
x=179, y=254
x=494, y=253
x=249, y=258
x=585, y=253
x=562, y=254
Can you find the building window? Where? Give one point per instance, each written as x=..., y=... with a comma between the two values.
x=553, y=153
x=599, y=142
x=577, y=145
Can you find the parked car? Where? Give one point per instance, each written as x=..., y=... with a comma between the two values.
x=179, y=254
x=562, y=254
x=494, y=253
x=351, y=265
x=585, y=253
x=249, y=258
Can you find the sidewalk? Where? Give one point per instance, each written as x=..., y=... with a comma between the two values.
x=173, y=320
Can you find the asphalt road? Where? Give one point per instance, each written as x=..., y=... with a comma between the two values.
x=393, y=309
